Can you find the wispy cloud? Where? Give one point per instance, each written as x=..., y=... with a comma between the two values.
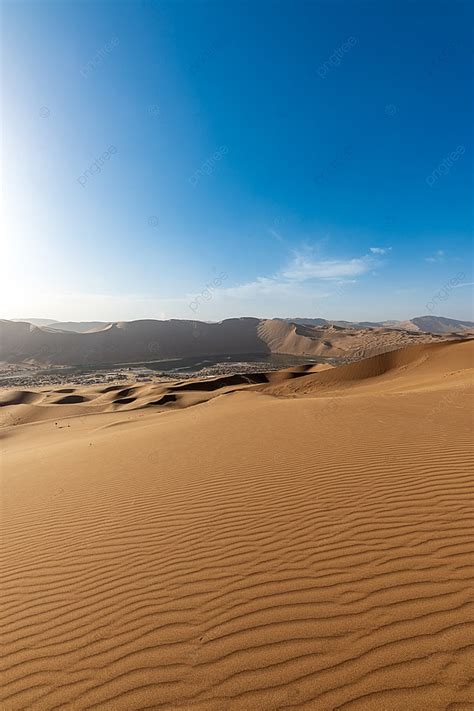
x=438, y=256
x=270, y=287
x=302, y=268
x=380, y=250
x=304, y=283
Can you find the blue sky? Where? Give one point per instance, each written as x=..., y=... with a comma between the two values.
x=284, y=158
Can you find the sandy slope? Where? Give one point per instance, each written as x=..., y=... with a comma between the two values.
x=305, y=543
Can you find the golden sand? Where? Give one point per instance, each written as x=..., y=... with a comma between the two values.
x=300, y=541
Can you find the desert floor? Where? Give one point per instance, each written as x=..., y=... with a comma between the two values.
x=302, y=541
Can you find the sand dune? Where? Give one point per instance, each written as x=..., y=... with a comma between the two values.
x=302, y=542
x=39, y=405
x=436, y=365
x=135, y=341
x=430, y=324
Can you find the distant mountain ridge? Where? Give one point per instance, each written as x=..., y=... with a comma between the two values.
x=147, y=340
x=427, y=324
x=440, y=324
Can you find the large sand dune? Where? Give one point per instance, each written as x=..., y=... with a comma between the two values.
x=298, y=540
x=135, y=341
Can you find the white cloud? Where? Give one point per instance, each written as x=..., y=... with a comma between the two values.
x=268, y=288
x=299, y=287
x=303, y=268
x=438, y=256
x=380, y=250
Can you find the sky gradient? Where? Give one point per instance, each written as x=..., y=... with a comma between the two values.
x=308, y=159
